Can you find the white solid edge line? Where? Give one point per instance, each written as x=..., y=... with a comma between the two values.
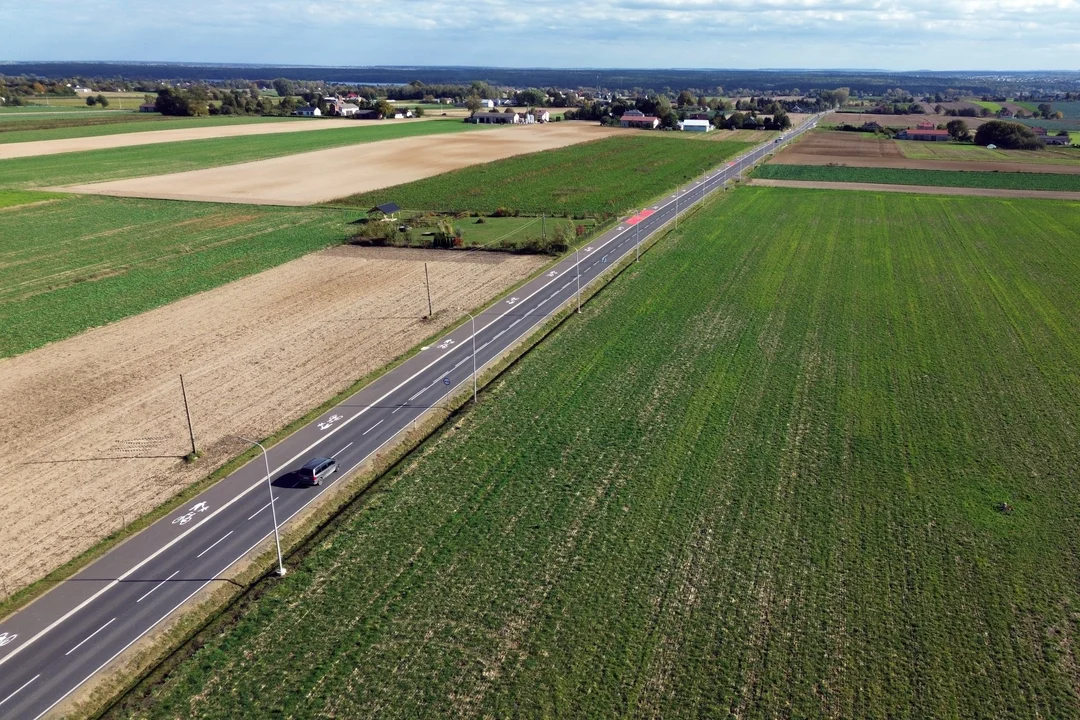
x=89, y=636
x=215, y=544
x=255, y=485
x=157, y=586
x=21, y=687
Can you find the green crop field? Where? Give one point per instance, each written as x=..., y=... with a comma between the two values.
x=601, y=178
x=58, y=128
x=117, y=163
x=991, y=106
x=934, y=178
x=84, y=261
x=757, y=478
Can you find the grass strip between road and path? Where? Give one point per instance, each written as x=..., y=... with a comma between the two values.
x=930, y=178
x=160, y=158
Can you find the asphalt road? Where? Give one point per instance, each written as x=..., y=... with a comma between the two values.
x=58, y=642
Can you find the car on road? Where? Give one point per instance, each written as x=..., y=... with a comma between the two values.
x=316, y=469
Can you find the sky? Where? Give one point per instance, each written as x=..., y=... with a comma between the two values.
x=860, y=34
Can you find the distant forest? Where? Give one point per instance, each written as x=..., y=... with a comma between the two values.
x=777, y=81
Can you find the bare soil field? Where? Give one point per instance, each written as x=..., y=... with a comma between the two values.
x=921, y=189
x=319, y=176
x=864, y=150
x=98, y=422
x=152, y=137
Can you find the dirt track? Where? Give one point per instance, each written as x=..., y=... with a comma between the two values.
x=921, y=189
x=98, y=423
x=328, y=174
x=863, y=150
x=151, y=137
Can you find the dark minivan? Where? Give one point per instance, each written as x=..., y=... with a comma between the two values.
x=316, y=469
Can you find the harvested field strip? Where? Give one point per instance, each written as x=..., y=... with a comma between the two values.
x=936, y=178
x=159, y=159
x=757, y=478
x=600, y=178
x=86, y=261
x=64, y=127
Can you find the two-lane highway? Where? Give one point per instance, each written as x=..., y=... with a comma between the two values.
x=57, y=643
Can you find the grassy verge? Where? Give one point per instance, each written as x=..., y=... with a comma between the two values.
x=931, y=178
x=14, y=198
x=96, y=126
x=117, y=163
x=759, y=478
x=600, y=179
x=85, y=261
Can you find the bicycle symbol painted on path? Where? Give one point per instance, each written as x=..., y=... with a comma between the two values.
x=187, y=517
x=328, y=422
x=6, y=639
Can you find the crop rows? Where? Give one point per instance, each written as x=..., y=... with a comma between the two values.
x=759, y=477
x=118, y=163
x=600, y=179
x=83, y=261
x=931, y=178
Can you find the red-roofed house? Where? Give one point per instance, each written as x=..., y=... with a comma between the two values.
x=925, y=125
x=928, y=134
x=1039, y=130
x=638, y=119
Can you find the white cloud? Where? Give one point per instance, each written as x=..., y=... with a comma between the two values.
x=896, y=34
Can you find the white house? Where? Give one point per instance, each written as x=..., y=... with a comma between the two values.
x=308, y=111
x=695, y=125
x=541, y=116
x=489, y=104
x=348, y=109
x=402, y=113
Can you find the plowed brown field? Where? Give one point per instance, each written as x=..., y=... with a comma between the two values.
x=866, y=150
x=92, y=429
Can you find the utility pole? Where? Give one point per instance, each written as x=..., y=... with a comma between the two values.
x=427, y=284
x=637, y=240
x=676, y=208
x=543, y=227
x=187, y=411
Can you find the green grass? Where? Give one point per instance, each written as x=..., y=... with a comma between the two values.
x=496, y=232
x=117, y=163
x=757, y=478
x=95, y=126
x=601, y=178
x=991, y=106
x=13, y=198
x=933, y=178
x=84, y=261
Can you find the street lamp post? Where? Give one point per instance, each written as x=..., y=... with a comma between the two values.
x=273, y=508
x=473, y=321
x=637, y=240
x=577, y=265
